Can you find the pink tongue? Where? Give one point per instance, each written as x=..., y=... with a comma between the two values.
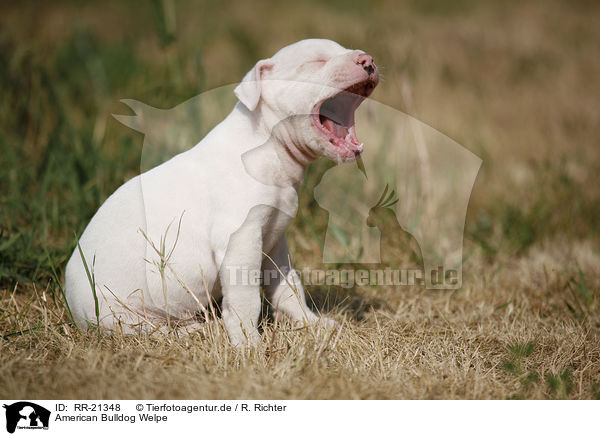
x=335, y=128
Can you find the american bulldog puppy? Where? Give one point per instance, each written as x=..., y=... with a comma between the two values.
x=198, y=226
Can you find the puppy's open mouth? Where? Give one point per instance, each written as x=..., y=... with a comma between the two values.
x=334, y=117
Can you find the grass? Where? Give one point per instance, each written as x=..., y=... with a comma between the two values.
x=92, y=281
x=512, y=83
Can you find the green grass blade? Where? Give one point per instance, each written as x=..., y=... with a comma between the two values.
x=92, y=282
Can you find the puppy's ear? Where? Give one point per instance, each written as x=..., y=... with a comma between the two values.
x=248, y=91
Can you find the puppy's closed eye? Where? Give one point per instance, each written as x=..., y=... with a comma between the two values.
x=317, y=63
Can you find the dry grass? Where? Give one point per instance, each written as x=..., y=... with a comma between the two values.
x=514, y=83
x=504, y=335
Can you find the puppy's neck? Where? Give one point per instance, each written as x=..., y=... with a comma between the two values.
x=273, y=163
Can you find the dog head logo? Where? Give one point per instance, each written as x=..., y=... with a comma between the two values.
x=26, y=415
x=428, y=175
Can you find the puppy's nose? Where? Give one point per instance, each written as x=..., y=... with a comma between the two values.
x=366, y=61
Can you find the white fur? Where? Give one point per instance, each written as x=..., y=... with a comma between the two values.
x=234, y=194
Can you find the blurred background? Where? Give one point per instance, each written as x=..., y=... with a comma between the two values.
x=514, y=82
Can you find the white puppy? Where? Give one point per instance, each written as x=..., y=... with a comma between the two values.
x=200, y=225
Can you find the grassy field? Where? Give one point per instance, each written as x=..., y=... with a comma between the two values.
x=514, y=82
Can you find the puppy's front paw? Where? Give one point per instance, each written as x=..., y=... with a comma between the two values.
x=240, y=340
x=321, y=321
